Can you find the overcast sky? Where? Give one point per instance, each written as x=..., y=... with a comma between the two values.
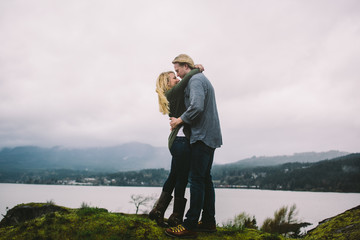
x=81, y=73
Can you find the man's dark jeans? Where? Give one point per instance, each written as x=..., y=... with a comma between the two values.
x=180, y=165
x=202, y=194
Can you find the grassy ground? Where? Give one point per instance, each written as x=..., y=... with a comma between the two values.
x=95, y=223
x=51, y=222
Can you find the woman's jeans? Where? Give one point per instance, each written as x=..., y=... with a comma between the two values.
x=180, y=165
x=202, y=194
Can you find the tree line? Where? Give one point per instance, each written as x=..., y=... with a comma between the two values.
x=337, y=175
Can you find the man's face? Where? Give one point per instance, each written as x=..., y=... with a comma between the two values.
x=180, y=70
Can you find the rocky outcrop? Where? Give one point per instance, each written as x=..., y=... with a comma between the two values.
x=48, y=221
x=343, y=226
x=22, y=213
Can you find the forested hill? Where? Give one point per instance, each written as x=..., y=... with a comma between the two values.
x=336, y=175
x=125, y=165
x=296, y=157
x=340, y=174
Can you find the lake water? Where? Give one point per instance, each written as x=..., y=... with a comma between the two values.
x=312, y=206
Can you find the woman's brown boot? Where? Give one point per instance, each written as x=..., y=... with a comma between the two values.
x=176, y=217
x=157, y=213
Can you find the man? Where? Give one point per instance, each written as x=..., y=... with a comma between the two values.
x=202, y=116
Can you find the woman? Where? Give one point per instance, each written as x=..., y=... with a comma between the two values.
x=171, y=101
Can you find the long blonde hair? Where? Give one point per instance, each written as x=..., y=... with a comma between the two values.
x=162, y=85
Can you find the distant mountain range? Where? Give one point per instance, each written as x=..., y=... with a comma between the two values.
x=126, y=157
x=137, y=164
x=306, y=157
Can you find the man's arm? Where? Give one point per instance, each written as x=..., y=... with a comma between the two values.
x=196, y=107
x=196, y=99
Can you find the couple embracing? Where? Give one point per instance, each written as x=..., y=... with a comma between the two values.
x=195, y=134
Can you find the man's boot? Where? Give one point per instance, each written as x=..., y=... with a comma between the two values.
x=176, y=217
x=157, y=213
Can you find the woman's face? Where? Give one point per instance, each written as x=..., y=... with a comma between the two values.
x=173, y=80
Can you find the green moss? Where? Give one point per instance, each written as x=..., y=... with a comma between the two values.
x=96, y=223
x=345, y=226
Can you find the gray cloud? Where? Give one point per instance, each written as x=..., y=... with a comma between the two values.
x=82, y=73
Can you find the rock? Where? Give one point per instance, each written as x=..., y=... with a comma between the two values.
x=345, y=226
x=22, y=213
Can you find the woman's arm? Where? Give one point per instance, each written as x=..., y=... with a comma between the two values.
x=199, y=66
x=183, y=83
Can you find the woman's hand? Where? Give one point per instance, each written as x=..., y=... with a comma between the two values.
x=199, y=66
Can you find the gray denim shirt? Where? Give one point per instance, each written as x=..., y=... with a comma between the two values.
x=201, y=112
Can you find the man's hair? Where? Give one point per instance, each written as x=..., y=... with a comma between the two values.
x=183, y=59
